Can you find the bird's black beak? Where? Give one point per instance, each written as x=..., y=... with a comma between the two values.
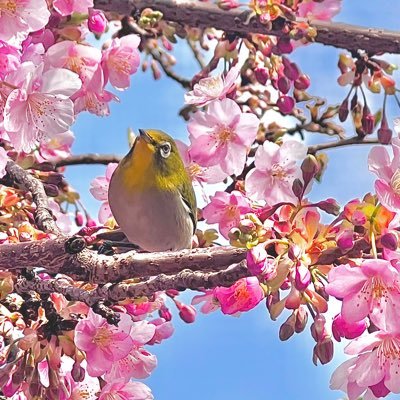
x=146, y=137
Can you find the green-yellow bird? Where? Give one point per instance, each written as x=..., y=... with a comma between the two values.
x=151, y=195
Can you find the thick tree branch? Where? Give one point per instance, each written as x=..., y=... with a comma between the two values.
x=186, y=279
x=43, y=215
x=204, y=14
x=89, y=265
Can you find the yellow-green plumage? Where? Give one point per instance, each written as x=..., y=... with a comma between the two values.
x=151, y=195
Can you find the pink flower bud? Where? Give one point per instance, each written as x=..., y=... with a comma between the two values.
x=172, y=292
x=343, y=110
x=358, y=218
x=354, y=101
x=97, y=22
x=342, y=328
x=385, y=135
x=318, y=329
x=261, y=75
x=284, y=45
x=286, y=330
x=389, y=241
x=330, y=206
x=301, y=319
x=309, y=167
x=285, y=104
x=323, y=351
x=283, y=84
x=78, y=218
x=367, y=121
x=298, y=188
x=302, y=82
x=345, y=240
x=227, y=4
x=166, y=43
x=90, y=223
x=77, y=373
x=291, y=70
x=256, y=258
x=302, y=277
x=186, y=312
x=165, y=313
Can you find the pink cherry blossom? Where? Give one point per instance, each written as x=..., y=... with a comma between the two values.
x=9, y=59
x=20, y=17
x=125, y=391
x=222, y=136
x=57, y=148
x=226, y=209
x=323, y=11
x=211, y=303
x=275, y=170
x=99, y=190
x=104, y=344
x=198, y=173
x=244, y=295
x=68, y=7
x=373, y=290
x=63, y=220
x=41, y=108
x=3, y=161
x=375, y=369
x=342, y=328
x=212, y=88
x=387, y=185
x=164, y=330
x=139, y=363
x=97, y=21
x=120, y=60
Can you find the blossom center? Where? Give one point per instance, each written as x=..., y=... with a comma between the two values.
x=120, y=65
x=395, y=182
x=231, y=211
x=278, y=172
x=9, y=6
x=211, y=85
x=194, y=169
x=389, y=349
x=241, y=295
x=103, y=337
x=224, y=134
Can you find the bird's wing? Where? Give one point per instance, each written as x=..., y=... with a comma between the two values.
x=191, y=212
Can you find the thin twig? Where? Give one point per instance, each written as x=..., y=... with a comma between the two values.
x=340, y=143
x=197, y=54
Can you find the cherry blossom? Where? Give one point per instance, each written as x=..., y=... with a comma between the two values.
x=212, y=88
x=20, y=17
x=68, y=7
x=373, y=290
x=244, y=295
x=120, y=60
x=10, y=59
x=275, y=170
x=323, y=11
x=387, y=185
x=226, y=209
x=103, y=343
x=99, y=190
x=56, y=148
x=42, y=107
x=211, y=303
x=375, y=369
x=222, y=136
x=120, y=389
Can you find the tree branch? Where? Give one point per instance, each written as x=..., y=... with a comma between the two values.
x=204, y=14
x=43, y=215
x=91, y=158
x=186, y=279
x=55, y=257
x=340, y=143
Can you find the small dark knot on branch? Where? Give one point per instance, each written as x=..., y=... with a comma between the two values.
x=75, y=245
x=106, y=312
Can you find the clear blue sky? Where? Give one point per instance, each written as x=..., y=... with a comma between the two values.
x=222, y=357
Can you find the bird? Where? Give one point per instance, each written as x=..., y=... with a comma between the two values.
x=151, y=194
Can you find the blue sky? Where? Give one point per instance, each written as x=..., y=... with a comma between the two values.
x=222, y=357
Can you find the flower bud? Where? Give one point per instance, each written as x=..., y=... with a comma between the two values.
x=261, y=74
x=318, y=330
x=301, y=319
x=298, y=188
x=330, y=206
x=77, y=373
x=302, y=277
x=165, y=313
x=78, y=218
x=90, y=223
x=345, y=240
x=51, y=190
x=291, y=70
x=385, y=135
x=343, y=110
x=284, y=45
x=286, y=330
x=309, y=168
x=227, y=4
x=172, y=292
x=389, y=241
x=97, y=22
x=247, y=226
x=323, y=351
x=302, y=82
x=256, y=258
x=186, y=312
x=285, y=104
x=283, y=84
x=354, y=101
x=367, y=121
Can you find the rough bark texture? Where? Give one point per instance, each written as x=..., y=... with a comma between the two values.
x=202, y=14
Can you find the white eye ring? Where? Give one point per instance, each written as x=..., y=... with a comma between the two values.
x=165, y=149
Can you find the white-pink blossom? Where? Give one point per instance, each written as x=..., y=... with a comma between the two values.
x=222, y=136
x=68, y=7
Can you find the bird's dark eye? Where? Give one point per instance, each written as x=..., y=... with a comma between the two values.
x=165, y=149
